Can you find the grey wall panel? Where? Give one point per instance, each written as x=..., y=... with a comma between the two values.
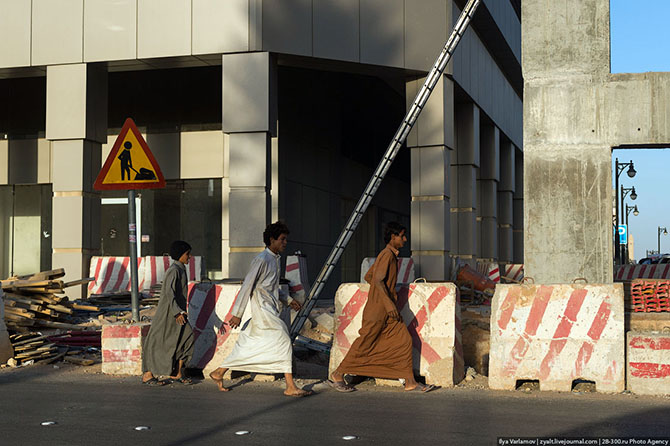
x=508, y=23
x=426, y=28
x=382, y=40
x=336, y=29
x=220, y=26
x=110, y=30
x=15, y=33
x=287, y=26
x=22, y=161
x=246, y=92
x=57, y=31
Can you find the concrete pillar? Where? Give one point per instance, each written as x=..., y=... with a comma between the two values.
x=431, y=142
x=506, y=188
x=487, y=188
x=517, y=231
x=249, y=125
x=76, y=125
x=464, y=165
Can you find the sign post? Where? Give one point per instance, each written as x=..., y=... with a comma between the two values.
x=119, y=173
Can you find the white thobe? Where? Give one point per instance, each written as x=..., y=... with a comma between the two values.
x=264, y=345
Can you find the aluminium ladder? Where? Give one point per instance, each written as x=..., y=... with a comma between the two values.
x=383, y=167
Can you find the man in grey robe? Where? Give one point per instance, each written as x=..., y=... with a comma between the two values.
x=168, y=347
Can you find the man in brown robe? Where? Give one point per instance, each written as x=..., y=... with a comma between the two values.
x=383, y=348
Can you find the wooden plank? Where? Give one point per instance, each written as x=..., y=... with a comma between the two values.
x=78, y=360
x=44, y=275
x=85, y=307
x=54, y=324
x=61, y=309
x=78, y=282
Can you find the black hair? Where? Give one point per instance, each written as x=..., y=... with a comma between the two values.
x=274, y=230
x=392, y=228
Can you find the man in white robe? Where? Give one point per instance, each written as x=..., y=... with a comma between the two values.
x=264, y=345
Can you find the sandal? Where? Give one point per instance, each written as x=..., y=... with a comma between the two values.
x=423, y=388
x=340, y=386
x=154, y=382
x=183, y=380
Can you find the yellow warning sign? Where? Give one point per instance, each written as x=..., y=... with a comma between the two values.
x=130, y=164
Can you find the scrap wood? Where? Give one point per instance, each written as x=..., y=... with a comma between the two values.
x=79, y=282
x=78, y=360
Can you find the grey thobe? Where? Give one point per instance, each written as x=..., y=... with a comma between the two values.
x=167, y=341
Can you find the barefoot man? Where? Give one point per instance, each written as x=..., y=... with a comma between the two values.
x=383, y=348
x=264, y=345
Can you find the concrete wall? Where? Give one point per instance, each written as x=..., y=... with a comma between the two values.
x=575, y=111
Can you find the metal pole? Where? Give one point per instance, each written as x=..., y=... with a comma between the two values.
x=621, y=249
x=132, y=240
x=616, y=204
x=659, y=240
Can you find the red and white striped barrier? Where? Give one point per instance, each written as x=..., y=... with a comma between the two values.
x=512, y=272
x=648, y=371
x=156, y=266
x=432, y=314
x=627, y=273
x=113, y=273
x=490, y=270
x=209, y=306
x=296, y=274
x=557, y=334
x=405, y=269
x=122, y=348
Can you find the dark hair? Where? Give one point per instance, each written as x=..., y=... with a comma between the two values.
x=392, y=228
x=274, y=230
x=178, y=248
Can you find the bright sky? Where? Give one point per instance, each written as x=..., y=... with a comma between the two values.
x=640, y=41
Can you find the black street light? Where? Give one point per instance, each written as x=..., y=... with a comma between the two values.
x=618, y=169
x=665, y=232
x=624, y=217
x=635, y=212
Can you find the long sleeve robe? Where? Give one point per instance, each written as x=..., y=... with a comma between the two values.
x=264, y=345
x=167, y=341
x=383, y=348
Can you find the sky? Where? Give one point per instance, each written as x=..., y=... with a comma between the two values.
x=640, y=42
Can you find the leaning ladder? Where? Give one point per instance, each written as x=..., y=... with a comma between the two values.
x=383, y=167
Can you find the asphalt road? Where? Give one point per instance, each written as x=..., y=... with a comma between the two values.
x=94, y=409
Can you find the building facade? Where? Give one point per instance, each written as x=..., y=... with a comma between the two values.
x=258, y=110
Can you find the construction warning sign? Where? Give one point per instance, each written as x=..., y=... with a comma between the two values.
x=130, y=164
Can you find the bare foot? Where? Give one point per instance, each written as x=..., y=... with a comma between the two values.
x=218, y=379
x=298, y=393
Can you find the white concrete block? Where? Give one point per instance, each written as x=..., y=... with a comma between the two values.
x=110, y=30
x=67, y=223
x=163, y=28
x=15, y=26
x=57, y=31
x=43, y=161
x=557, y=334
x=66, y=101
x=246, y=87
x=648, y=363
x=426, y=23
x=287, y=26
x=249, y=153
x=382, y=36
x=220, y=27
x=122, y=348
x=336, y=30
x=201, y=154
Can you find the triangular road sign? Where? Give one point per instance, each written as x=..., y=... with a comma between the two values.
x=130, y=164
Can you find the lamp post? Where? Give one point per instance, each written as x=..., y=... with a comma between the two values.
x=633, y=196
x=635, y=212
x=618, y=170
x=665, y=232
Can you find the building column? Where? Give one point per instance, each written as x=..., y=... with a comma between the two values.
x=249, y=125
x=465, y=163
x=505, y=203
x=431, y=142
x=518, y=228
x=487, y=188
x=76, y=125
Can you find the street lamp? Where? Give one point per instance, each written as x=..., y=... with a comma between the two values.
x=624, y=217
x=635, y=212
x=618, y=169
x=665, y=232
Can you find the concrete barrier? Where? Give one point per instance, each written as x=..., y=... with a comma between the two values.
x=627, y=273
x=557, y=334
x=512, y=272
x=431, y=312
x=122, y=348
x=491, y=270
x=112, y=274
x=648, y=363
x=296, y=274
x=406, y=272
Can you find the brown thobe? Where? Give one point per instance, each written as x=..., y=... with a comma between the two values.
x=383, y=348
x=167, y=341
